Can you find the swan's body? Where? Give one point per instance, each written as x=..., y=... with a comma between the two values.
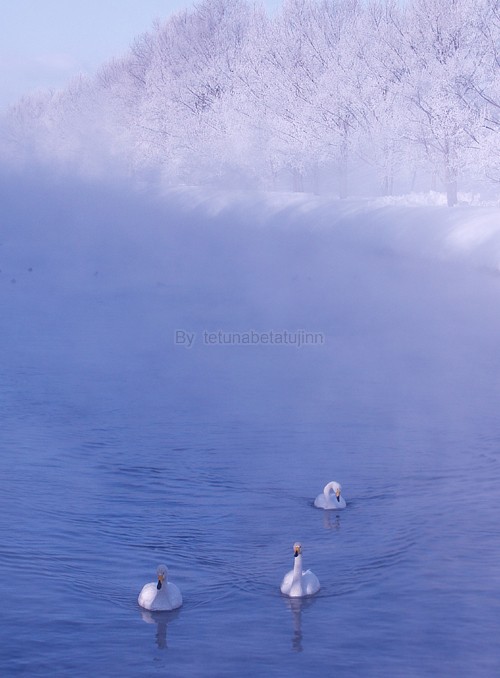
x=296, y=583
x=162, y=595
x=330, y=498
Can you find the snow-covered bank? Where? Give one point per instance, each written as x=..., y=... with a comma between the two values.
x=406, y=225
x=69, y=220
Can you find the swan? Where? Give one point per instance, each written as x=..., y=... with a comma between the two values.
x=330, y=498
x=296, y=583
x=161, y=596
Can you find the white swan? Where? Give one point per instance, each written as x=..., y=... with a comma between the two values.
x=330, y=498
x=161, y=596
x=297, y=583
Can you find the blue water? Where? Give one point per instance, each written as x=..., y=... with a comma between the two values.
x=121, y=450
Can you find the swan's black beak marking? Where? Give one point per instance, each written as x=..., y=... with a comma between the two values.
x=338, y=498
x=158, y=586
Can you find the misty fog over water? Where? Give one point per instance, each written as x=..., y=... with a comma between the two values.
x=121, y=448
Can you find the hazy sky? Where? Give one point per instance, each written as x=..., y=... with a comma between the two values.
x=44, y=42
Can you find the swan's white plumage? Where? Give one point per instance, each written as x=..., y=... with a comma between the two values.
x=297, y=583
x=330, y=498
x=167, y=597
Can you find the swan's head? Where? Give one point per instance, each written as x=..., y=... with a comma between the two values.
x=297, y=549
x=161, y=573
x=335, y=487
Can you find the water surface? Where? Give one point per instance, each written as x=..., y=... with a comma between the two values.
x=121, y=450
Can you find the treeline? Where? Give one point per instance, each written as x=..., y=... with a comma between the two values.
x=322, y=95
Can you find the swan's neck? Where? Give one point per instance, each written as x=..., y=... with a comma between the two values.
x=297, y=567
x=328, y=489
x=330, y=492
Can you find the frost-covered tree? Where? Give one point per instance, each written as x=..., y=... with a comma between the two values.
x=486, y=88
x=189, y=84
x=444, y=53
x=287, y=88
x=324, y=87
x=315, y=94
x=383, y=143
x=24, y=125
x=340, y=103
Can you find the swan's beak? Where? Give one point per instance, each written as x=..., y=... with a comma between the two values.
x=296, y=551
x=337, y=494
x=161, y=579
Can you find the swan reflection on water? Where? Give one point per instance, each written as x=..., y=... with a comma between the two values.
x=331, y=520
x=162, y=620
x=296, y=605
